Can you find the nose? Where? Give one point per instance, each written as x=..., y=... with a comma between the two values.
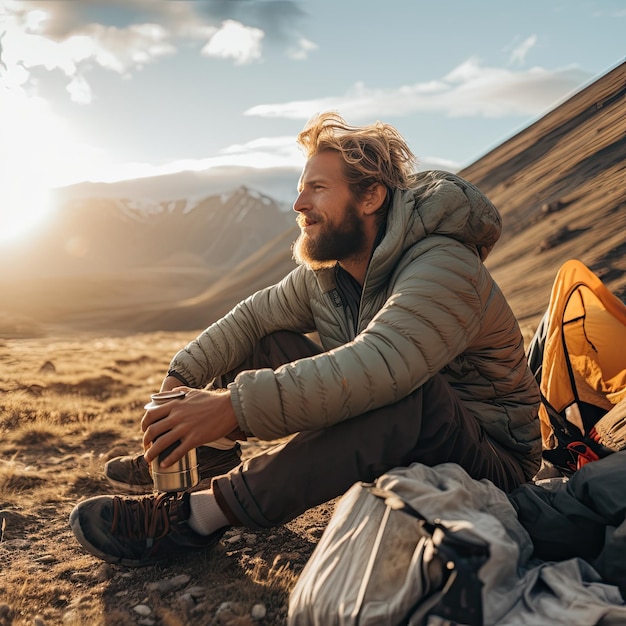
x=299, y=204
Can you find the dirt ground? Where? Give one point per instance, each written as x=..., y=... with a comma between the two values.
x=66, y=406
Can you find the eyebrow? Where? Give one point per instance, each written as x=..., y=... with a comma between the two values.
x=312, y=181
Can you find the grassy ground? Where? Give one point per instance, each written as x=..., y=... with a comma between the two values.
x=66, y=406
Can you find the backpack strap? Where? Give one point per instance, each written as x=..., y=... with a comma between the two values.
x=574, y=449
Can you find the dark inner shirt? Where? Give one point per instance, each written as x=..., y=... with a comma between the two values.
x=349, y=288
x=350, y=291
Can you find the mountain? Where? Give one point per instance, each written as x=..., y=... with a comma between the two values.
x=146, y=255
x=102, y=262
x=100, y=235
x=560, y=185
x=277, y=182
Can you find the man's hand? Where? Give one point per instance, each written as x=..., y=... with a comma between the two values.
x=197, y=419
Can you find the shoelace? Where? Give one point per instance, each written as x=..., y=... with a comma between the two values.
x=144, y=519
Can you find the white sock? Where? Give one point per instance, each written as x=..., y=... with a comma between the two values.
x=206, y=516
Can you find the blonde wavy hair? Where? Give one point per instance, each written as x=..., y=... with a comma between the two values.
x=371, y=154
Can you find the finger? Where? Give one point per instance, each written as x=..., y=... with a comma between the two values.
x=169, y=448
x=176, y=454
x=154, y=415
x=156, y=430
x=159, y=445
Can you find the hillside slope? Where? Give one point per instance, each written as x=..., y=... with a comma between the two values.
x=560, y=185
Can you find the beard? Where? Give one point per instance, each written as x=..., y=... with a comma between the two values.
x=332, y=244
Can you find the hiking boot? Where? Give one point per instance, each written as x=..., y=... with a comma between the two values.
x=132, y=473
x=138, y=530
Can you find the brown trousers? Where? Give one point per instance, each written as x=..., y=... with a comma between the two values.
x=429, y=426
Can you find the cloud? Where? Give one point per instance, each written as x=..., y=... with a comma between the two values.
x=260, y=153
x=79, y=90
x=301, y=50
x=122, y=36
x=235, y=41
x=263, y=163
x=518, y=55
x=469, y=90
x=59, y=20
x=263, y=152
x=35, y=38
x=278, y=19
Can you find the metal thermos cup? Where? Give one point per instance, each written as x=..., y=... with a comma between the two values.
x=182, y=474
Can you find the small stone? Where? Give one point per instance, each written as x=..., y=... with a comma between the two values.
x=5, y=610
x=169, y=584
x=46, y=558
x=258, y=612
x=225, y=606
x=196, y=592
x=104, y=572
x=147, y=621
x=233, y=614
x=143, y=610
x=79, y=577
x=233, y=539
x=39, y=621
x=186, y=601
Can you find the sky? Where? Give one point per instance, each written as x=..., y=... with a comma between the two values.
x=108, y=90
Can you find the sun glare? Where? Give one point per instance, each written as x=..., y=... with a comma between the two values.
x=24, y=200
x=25, y=205
x=29, y=156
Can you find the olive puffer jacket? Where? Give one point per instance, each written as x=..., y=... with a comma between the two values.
x=428, y=305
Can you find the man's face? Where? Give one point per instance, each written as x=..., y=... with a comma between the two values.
x=331, y=226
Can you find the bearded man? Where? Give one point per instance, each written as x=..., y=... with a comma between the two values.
x=421, y=360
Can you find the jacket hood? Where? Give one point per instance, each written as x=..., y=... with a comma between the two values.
x=446, y=204
x=441, y=203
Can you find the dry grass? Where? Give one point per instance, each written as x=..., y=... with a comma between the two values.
x=66, y=406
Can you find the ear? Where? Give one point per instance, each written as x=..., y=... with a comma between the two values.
x=373, y=198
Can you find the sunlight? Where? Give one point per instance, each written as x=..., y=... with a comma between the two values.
x=29, y=142
x=24, y=204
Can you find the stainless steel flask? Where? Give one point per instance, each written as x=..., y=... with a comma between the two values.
x=184, y=473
